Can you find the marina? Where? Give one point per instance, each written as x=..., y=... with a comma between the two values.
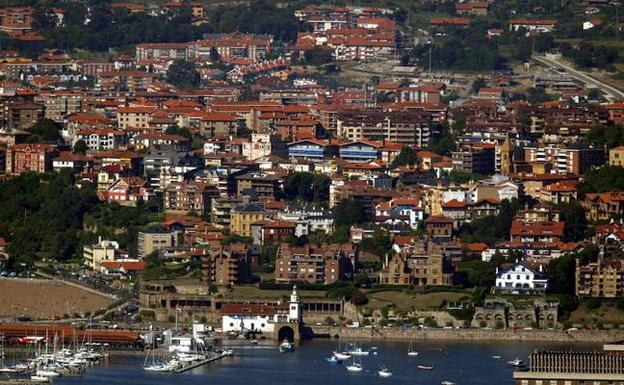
x=263, y=364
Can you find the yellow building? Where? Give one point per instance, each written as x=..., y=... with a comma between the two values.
x=505, y=165
x=243, y=216
x=616, y=156
x=97, y=253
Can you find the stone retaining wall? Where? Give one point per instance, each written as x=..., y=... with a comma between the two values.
x=598, y=336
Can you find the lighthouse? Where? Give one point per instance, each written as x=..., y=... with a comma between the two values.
x=294, y=308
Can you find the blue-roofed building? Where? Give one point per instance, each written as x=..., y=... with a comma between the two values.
x=311, y=149
x=360, y=150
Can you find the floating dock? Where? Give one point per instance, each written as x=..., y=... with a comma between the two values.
x=196, y=364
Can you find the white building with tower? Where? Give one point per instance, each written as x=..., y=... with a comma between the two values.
x=260, y=318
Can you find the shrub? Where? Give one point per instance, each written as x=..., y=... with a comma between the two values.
x=148, y=315
x=330, y=321
x=592, y=303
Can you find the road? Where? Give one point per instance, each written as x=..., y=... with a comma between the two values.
x=611, y=93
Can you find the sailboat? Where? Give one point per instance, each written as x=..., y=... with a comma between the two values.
x=411, y=352
x=341, y=355
x=355, y=367
x=333, y=360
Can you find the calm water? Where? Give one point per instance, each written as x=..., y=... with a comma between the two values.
x=464, y=363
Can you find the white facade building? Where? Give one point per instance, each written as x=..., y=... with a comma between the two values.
x=520, y=278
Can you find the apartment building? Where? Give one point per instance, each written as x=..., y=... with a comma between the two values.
x=404, y=127
x=315, y=264
x=229, y=265
x=134, y=117
x=30, y=157
x=477, y=159
x=97, y=253
x=189, y=196
x=604, y=279
x=154, y=239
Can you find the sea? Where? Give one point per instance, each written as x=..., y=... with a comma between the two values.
x=464, y=363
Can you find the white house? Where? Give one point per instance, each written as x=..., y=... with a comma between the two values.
x=520, y=278
x=244, y=318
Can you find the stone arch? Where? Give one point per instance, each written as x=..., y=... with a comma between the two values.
x=286, y=332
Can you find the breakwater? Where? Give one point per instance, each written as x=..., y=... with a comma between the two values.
x=599, y=336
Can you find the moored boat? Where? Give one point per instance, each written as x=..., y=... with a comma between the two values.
x=384, y=372
x=425, y=367
x=286, y=347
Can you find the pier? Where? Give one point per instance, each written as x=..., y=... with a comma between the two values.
x=196, y=364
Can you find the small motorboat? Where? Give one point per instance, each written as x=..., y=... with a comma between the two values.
x=496, y=357
x=254, y=342
x=425, y=367
x=516, y=363
x=333, y=360
x=384, y=372
x=286, y=347
x=358, y=351
x=446, y=382
x=355, y=368
x=342, y=355
x=39, y=379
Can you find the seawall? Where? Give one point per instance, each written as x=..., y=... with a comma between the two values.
x=599, y=336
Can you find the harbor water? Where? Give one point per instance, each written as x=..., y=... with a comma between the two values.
x=464, y=363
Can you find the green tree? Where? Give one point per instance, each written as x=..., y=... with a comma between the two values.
x=47, y=130
x=80, y=147
x=575, y=222
x=407, y=156
x=562, y=275
x=379, y=244
x=348, y=212
x=477, y=85
x=603, y=179
x=183, y=74
x=175, y=130
x=306, y=186
x=317, y=56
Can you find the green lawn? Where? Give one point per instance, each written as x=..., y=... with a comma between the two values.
x=404, y=301
x=252, y=291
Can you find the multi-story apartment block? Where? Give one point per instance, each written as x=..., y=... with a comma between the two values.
x=478, y=159
x=229, y=265
x=604, y=278
x=102, y=139
x=259, y=185
x=567, y=159
x=413, y=127
x=154, y=239
x=134, y=117
x=27, y=157
x=24, y=115
x=315, y=264
x=189, y=196
x=96, y=253
x=60, y=105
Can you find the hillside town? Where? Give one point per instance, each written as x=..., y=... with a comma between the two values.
x=437, y=166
